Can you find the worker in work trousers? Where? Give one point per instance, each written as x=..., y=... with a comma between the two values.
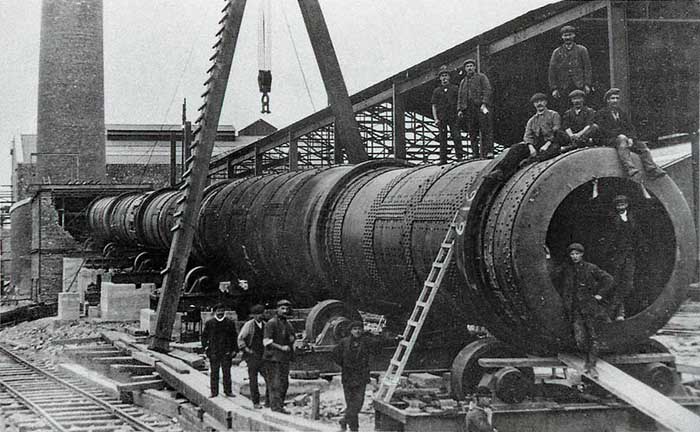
x=480, y=415
x=569, y=68
x=278, y=340
x=474, y=104
x=615, y=129
x=444, y=106
x=250, y=342
x=583, y=287
x=542, y=140
x=622, y=239
x=352, y=355
x=219, y=340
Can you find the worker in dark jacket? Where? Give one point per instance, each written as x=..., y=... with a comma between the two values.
x=220, y=344
x=577, y=121
x=444, y=106
x=278, y=340
x=352, y=355
x=250, y=342
x=569, y=67
x=615, y=129
x=583, y=287
x=623, y=241
x=474, y=105
x=543, y=139
x=480, y=416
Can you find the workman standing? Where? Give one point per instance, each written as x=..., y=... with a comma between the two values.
x=250, y=342
x=352, y=355
x=577, y=121
x=583, y=287
x=474, y=104
x=622, y=239
x=615, y=129
x=542, y=140
x=444, y=105
x=278, y=340
x=480, y=415
x=219, y=342
x=569, y=67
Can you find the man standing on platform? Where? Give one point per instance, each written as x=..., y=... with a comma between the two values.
x=278, y=340
x=250, y=341
x=352, y=355
x=444, y=105
x=569, y=67
x=219, y=342
x=474, y=104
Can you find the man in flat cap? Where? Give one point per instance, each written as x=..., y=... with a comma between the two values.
x=250, y=342
x=616, y=130
x=474, y=105
x=622, y=239
x=278, y=340
x=219, y=343
x=583, y=287
x=542, y=140
x=577, y=121
x=444, y=105
x=569, y=67
x=352, y=355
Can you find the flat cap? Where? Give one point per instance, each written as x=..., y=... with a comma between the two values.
x=443, y=70
x=538, y=96
x=575, y=247
x=469, y=60
x=257, y=309
x=577, y=93
x=612, y=91
x=284, y=302
x=357, y=324
x=567, y=29
x=620, y=199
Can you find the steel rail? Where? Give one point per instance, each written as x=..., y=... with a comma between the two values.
x=129, y=419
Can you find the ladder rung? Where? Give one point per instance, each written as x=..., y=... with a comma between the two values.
x=422, y=304
x=189, y=159
x=184, y=185
x=176, y=227
x=187, y=172
x=405, y=343
x=429, y=284
x=396, y=362
x=164, y=271
x=224, y=18
x=448, y=245
x=177, y=213
x=181, y=199
x=412, y=323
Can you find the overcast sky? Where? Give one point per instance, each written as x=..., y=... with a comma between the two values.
x=156, y=53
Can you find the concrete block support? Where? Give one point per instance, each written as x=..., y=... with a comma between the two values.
x=123, y=302
x=68, y=306
x=147, y=323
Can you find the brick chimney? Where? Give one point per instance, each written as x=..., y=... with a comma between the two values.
x=71, y=126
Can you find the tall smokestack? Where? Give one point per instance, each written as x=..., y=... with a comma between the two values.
x=71, y=125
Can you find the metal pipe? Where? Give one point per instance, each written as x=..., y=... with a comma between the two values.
x=367, y=234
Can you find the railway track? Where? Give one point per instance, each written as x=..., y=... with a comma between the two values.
x=37, y=397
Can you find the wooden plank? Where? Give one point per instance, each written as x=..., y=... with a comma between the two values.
x=132, y=369
x=556, y=362
x=151, y=358
x=155, y=384
x=77, y=341
x=547, y=25
x=688, y=369
x=114, y=360
x=194, y=360
x=647, y=400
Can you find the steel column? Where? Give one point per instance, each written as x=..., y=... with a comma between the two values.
x=293, y=153
x=398, y=111
x=348, y=136
x=618, y=49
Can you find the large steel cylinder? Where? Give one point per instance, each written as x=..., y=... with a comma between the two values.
x=368, y=234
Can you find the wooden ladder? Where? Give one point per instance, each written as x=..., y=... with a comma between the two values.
x=418, y=316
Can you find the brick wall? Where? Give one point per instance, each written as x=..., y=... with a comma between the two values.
x=50, y=243
x=70, y=117
x=21, y=239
